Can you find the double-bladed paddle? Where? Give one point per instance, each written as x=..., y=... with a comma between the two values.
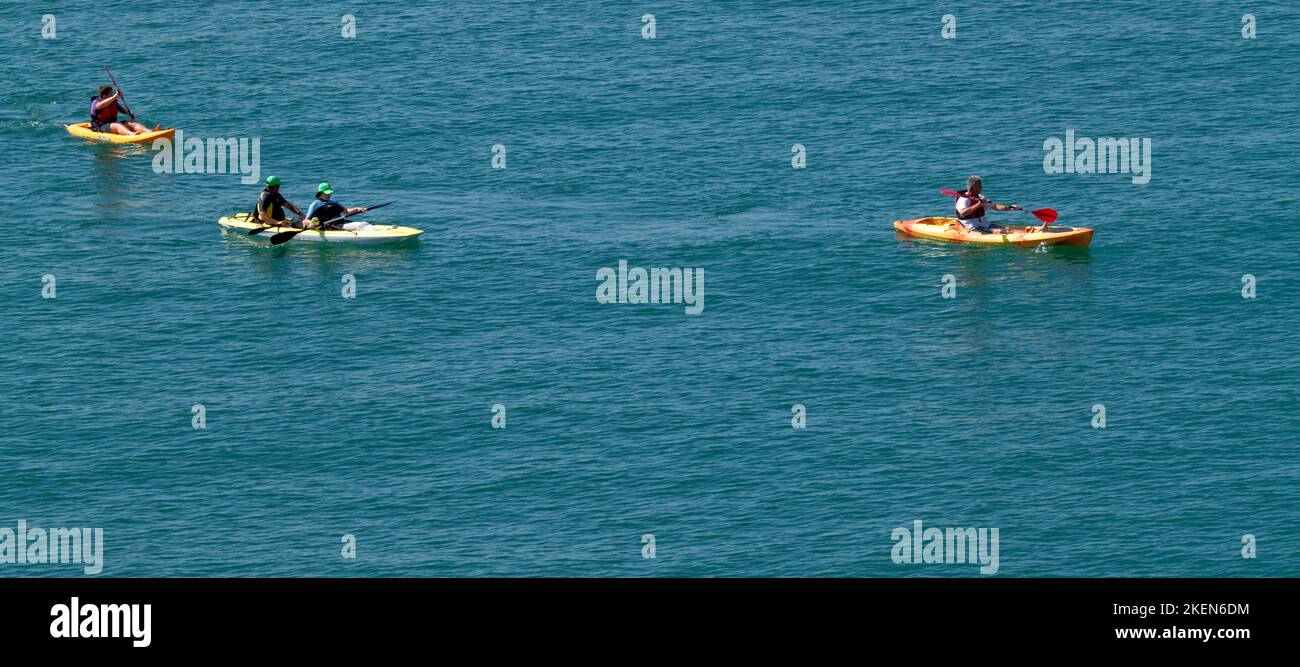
x=281, y=237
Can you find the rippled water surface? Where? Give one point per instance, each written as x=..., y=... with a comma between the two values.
x=371, y=416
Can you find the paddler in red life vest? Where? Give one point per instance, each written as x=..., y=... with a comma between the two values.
x=104, y=108
x=971, y=208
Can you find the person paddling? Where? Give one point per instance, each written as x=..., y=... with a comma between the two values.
x=325, y=209
x=104, y=108
x=971, y=207
x=271, y=205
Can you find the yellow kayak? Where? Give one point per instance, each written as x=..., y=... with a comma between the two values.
x=947, y=229
x=240, y=223
x=83, y=130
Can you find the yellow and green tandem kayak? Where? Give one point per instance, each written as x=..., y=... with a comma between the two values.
x=241, y=223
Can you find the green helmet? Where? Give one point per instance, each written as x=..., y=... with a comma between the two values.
x=272, y=180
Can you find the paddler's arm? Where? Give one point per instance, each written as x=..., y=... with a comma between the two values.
x=122, y=107
x=111, y=99
x=1006, y=207
x=306, y=217
x=289, y=205
x=969, y=211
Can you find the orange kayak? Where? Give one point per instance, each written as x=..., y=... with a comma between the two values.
x=947, y=229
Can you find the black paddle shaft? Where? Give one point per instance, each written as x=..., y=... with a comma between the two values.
x=121, y=98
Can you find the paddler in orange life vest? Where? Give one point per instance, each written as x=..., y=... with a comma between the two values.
x=971, y=208
x=103, y=114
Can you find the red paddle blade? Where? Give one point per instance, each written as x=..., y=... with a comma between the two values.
x=1045, y=214
x=950, y=193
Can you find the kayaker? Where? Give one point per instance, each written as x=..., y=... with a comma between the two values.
x=271, y=205
x=972, y=205
x=325, y=209
x=104, y=108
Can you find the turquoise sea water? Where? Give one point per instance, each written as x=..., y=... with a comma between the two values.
x=371, y=416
